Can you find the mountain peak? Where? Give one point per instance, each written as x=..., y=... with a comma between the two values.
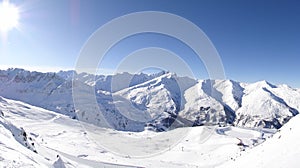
x=210, y=101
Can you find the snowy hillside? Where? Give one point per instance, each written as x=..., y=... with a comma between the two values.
x=282, y=150
x=34, y=137
x=160, y=102
x=267, y=105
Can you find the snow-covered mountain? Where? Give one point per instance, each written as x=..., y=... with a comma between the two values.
x=161, y=102
x=53, y=91
x=34, y=137
x=248, y=124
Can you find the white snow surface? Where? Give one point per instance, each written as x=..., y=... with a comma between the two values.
x=282, y=150
x=238, y=121
x=63, y=142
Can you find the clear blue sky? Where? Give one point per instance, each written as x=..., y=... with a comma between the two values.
x=257, y=39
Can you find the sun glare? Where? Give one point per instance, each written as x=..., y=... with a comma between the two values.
x=9, y=16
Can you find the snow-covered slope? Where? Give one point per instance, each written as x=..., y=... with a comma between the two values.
x=53, y=91
x=266, y=105
x=58, y=141
x=47, y=90
x=160, y=101
x=35, y=137
x=202, y=108
x=282, y=150
x=155, y=102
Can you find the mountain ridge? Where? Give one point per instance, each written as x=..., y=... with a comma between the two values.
x=201, y=102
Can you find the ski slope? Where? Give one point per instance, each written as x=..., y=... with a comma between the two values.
x=59, y=140
x=282, y=150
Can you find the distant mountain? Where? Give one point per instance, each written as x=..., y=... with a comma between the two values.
x=161, y=101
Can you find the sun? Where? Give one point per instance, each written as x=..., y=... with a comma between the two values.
x=9, y=16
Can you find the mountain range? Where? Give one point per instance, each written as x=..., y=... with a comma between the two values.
x=160, y=102
x=67, y=119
